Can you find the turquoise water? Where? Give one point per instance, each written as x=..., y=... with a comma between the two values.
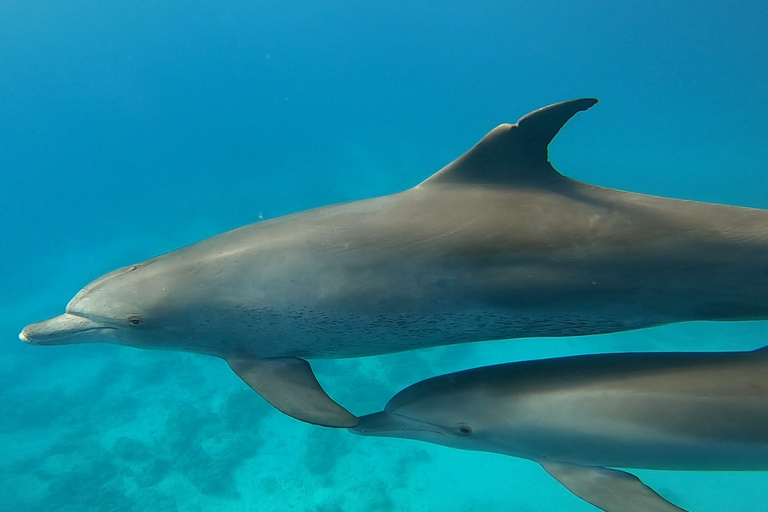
x=131, y=128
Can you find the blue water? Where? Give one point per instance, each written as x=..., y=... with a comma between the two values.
x=131, y=128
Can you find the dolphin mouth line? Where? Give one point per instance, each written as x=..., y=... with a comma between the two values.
x=23, y=336
x=423, y=426
x=393, y=424
x=62, y=327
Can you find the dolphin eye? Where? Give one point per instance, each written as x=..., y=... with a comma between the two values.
x=465, y=430
x=134, y=320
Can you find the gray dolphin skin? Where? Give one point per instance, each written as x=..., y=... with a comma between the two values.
x=579, y=416
x=495, y=245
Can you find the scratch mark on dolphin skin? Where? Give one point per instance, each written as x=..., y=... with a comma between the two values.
x=325, y=235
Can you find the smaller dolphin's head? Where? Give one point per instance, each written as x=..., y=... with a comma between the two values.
x=119, y=307
x=449, y=410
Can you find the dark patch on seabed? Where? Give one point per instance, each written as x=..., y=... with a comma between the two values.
x=89, y=465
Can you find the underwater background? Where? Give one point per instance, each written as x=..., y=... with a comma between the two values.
x=128, y=129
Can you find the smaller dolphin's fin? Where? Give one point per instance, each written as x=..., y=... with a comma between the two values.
x=289, y=384
x=609, y=489
x=512, y=154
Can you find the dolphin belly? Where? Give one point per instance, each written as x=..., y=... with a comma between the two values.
x=629, y=430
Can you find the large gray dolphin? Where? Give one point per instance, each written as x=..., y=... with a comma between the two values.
x=578, y=416
x=495, y=245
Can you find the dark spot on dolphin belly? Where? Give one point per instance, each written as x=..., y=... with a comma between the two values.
x=318, y=334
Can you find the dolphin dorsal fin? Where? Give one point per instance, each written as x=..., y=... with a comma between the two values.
x=512, y=154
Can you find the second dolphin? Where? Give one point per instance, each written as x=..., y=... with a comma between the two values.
x=580, y=416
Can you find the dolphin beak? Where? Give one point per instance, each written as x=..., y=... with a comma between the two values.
x=385, y=424
x=63, y=330
x=379, y=423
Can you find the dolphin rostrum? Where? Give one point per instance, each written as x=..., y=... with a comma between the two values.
x=495, y=245
x=578, y=416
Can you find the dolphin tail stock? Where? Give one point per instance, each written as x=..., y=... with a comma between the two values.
x=610, y=490
x=289, y=384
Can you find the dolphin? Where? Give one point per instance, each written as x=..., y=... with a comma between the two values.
x=579, y=416
x=495, y=245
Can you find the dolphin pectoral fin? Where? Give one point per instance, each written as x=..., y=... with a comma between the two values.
x=289, y=385
x=610, y=490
